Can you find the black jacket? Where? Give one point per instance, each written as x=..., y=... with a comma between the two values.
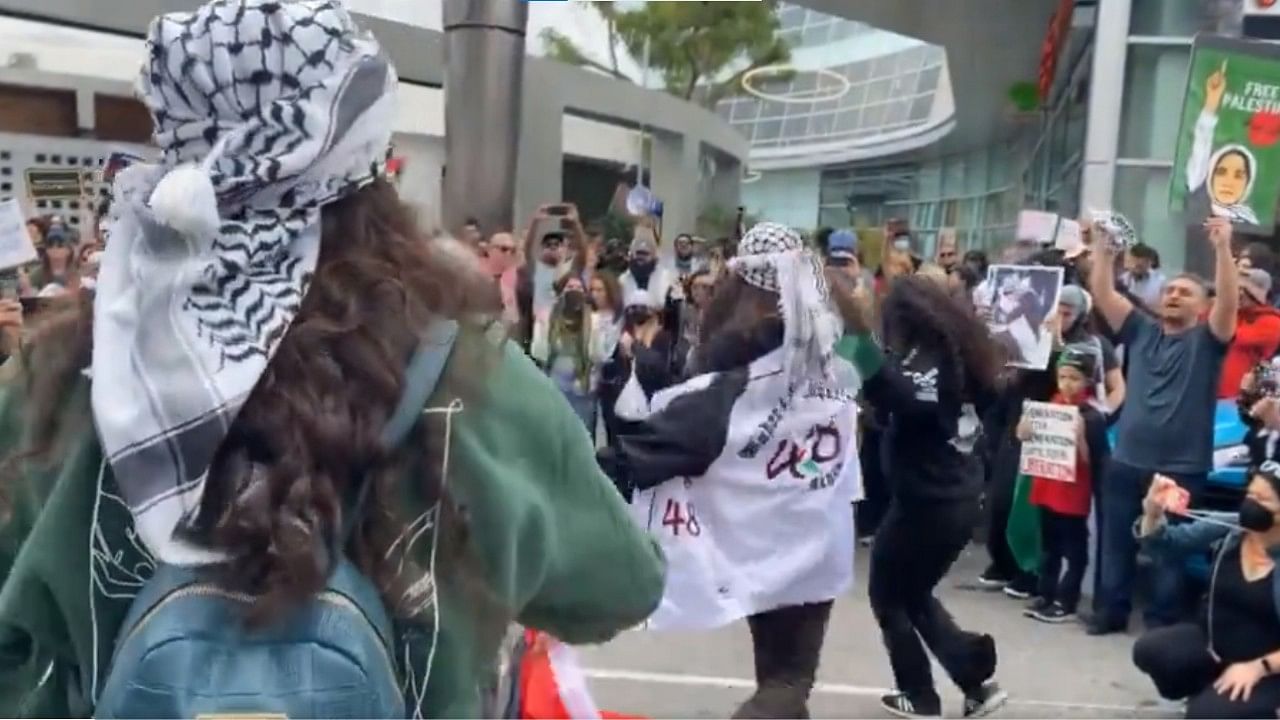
x=931, y=427
x=689, y=434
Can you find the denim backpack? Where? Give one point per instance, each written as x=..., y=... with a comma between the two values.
x=185, y=651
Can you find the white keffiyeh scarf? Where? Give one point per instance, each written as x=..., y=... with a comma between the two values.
x=264, y=113
x=773, y=257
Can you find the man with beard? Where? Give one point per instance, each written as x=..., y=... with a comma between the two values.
x=1175, y=361
x=643, y=272
x=687, y=260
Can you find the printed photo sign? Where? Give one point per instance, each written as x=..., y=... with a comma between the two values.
x=1023, y=299
x=1227, y=161
x=1051, y=451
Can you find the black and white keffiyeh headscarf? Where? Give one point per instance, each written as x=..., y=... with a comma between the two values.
x=264, y=113
x=773, y=257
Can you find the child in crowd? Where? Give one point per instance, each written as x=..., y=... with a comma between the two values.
x=1065, y=504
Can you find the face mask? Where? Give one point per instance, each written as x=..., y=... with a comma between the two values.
x=573, y=300
x=638, y=316
x=1255, y=517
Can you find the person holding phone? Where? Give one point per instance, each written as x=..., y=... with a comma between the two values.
x=554, y=253
x=1225, y=665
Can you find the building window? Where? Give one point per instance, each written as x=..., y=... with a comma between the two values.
x=1155, y=80
x=1182, y=18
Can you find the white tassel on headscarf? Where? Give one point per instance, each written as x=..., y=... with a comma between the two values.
x=185, y=200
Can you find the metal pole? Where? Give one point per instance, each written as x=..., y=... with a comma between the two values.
x=644, y=83
x=484, y=78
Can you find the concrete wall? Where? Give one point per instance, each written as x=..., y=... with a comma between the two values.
x=682, y=131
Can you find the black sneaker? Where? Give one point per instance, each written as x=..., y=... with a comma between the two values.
x=1038, y=605
x=1015, y=592
x=1054, y=614
x=1021, y=587
x=992, y=580
x=905, y=706
x=988, y=699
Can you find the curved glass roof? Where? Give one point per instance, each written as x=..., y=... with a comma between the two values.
x=893, y=86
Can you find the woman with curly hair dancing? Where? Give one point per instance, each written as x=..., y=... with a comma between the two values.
x=936, y=372
x=221, y=409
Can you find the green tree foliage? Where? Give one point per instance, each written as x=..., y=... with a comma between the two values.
x=700, y=50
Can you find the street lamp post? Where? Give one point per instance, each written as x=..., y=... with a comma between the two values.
x=484, y=75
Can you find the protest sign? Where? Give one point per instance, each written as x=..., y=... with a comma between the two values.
x=1227, y=161
x=1037, y=225
x=54, y=184
x=1051, y=451
x=1068, y=239
x=1023, y=298
x=16, y=248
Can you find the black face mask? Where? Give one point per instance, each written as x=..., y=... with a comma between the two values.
x=573, y=301
x=638, y=316
x=1255, y=516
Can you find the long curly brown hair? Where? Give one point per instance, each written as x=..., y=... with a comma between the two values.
x=918, y=313
x=282, y=480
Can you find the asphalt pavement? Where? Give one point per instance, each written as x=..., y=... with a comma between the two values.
x=1050, y=671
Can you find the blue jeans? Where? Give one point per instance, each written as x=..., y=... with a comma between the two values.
x=1123, y=487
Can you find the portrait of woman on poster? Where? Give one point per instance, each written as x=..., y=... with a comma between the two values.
x=1220, y=179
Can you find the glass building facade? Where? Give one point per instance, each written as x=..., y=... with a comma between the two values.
x=856, y=89
x=1103, y=139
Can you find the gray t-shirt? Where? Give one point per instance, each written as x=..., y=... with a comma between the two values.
x=1172, y=396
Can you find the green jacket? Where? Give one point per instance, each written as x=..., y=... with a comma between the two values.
x=548, y=541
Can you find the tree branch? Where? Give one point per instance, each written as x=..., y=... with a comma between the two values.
x=558, y=47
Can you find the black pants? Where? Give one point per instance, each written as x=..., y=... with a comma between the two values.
x=871, y=509
x=1178, y=661
x=1064, y=540
x=1003, y=480
x=1123, y=487
x=916, y=545
x=787, y=644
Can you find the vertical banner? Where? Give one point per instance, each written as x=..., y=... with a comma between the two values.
x=1227, y=161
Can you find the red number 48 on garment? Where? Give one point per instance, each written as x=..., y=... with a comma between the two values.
x=679, y=515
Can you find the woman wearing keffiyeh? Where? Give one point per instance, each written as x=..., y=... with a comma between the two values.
x=746, y=473
x=221, y=399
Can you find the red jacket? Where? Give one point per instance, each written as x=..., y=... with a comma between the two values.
x=1257, y=339
x=1066, y=498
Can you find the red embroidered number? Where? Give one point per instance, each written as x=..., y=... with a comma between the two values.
x=680, y=515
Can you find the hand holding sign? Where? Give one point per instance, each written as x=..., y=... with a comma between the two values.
x=1220, y=231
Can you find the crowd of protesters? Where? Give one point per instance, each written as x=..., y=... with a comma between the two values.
x=252, y=417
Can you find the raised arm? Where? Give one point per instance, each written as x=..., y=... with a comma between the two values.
x=1113, y=306
x=1226, y=278
x=578, y=241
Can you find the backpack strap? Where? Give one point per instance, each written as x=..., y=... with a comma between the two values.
x=420, y=380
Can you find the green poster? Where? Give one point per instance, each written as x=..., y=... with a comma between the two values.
x=1228, y=156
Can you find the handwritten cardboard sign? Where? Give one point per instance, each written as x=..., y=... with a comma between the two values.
x=16, y=248
x=1051, y=451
